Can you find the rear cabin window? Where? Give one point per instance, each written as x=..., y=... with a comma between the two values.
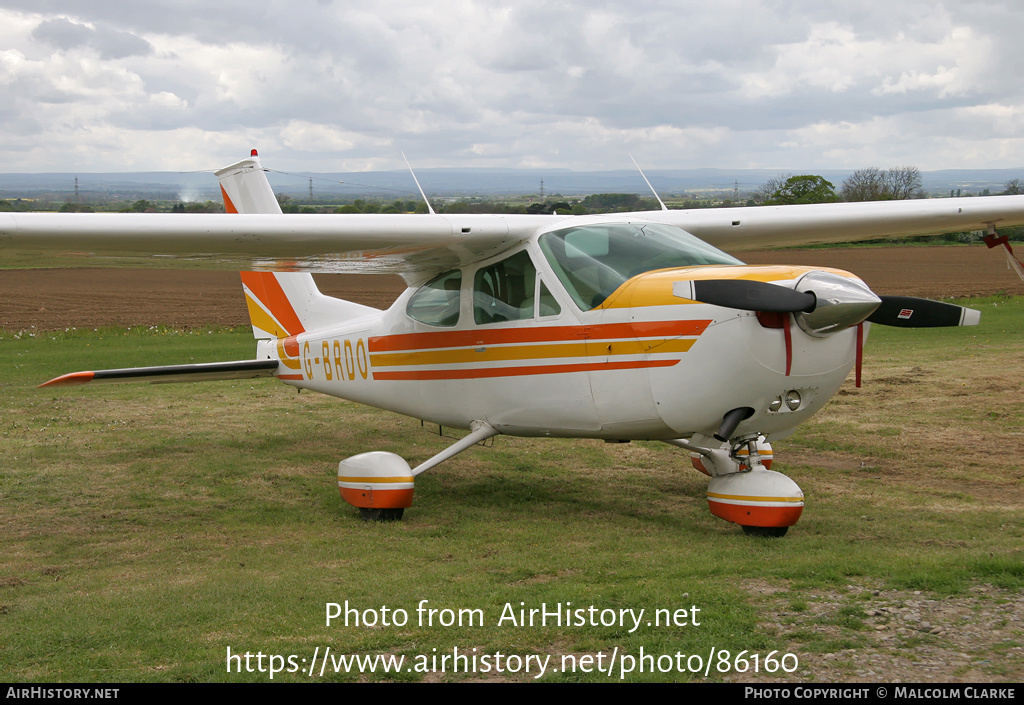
x=436, y=303
x=505, y=291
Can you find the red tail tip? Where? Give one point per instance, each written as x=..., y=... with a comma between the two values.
x=253, y=153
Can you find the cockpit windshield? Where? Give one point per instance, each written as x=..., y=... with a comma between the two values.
x=592, y=261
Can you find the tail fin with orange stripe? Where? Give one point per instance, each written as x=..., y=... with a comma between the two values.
x=285, y=304
x=245, y=188
x=281, y=305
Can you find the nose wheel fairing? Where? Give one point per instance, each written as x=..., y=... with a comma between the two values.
x=763, y=498
x=742, y=489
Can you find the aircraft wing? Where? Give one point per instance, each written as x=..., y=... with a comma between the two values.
x=292, y=242
x=418, y=245
x=734, y=229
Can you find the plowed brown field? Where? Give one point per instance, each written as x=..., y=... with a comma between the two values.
x=50, y=299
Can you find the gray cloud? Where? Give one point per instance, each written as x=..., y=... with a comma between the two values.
x=330, y=85
x=64, y=34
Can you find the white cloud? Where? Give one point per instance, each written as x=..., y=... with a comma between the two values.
x=312, y=137
x=317, y=85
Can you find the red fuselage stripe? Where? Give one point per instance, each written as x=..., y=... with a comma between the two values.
x=533, y=334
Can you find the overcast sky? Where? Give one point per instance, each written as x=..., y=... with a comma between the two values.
x=333, y=85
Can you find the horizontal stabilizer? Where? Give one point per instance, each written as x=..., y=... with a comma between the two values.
x=241, y=369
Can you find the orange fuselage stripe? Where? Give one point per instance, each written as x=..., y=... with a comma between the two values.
x=534, y=334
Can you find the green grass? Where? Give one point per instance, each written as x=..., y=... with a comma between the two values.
x=147, y=529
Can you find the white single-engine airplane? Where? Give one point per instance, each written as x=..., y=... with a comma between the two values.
x=621, y=326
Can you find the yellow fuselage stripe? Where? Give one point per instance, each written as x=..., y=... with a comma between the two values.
x=531, y=352
x=655, y=288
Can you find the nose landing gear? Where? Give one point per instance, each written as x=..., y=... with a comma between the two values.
x=742, y=489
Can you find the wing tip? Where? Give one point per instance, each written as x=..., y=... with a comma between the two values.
x=69, y=380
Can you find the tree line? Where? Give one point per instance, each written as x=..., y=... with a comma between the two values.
x=871, y=184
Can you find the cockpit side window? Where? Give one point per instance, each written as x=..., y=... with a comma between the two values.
x=504, y=291
x=436, y=303
x=547, y=304
x=592, y=261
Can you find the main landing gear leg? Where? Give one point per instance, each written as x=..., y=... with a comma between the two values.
x=381, y=484
x=742, y=489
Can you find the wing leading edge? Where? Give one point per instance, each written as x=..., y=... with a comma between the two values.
x=820, y=223
x=424, y=243
x=290, y=242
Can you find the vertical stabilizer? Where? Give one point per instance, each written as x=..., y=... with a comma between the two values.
x=245, y=188
x=281, y=304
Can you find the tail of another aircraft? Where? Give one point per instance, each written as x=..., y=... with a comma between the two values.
x=281, y=304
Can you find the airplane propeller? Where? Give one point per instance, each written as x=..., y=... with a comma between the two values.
x=900, y=311
x=747, y=295
x=912, y=312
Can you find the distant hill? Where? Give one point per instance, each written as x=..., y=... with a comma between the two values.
x=192, y=186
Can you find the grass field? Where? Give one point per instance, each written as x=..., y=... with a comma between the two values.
x=147, y=530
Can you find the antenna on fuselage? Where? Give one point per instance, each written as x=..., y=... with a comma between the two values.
x=663, y=206
x=429, y=207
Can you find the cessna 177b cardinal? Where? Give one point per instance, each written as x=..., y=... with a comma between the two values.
x=621, y=326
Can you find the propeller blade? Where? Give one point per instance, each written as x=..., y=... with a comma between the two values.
x=747, y=295
x=912, y=312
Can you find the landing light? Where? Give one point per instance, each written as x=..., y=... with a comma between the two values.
x=775, y=405
x=793, y=400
